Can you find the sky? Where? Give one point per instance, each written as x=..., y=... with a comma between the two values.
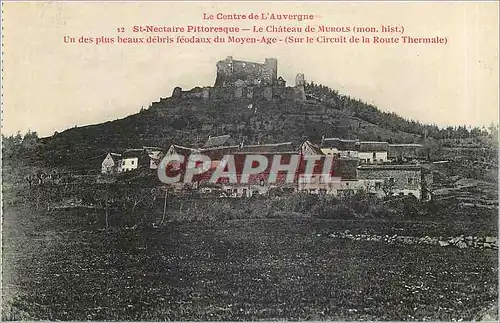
x=49, y=85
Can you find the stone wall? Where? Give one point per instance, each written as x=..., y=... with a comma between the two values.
x=199, y=93
x=458, y=242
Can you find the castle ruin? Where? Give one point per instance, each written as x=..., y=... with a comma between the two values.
x=243, y=79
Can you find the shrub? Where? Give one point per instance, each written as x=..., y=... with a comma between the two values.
x=304, y=202
x=332, y=211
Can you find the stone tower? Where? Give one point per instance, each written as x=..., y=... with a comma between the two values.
x=270, y=71
x=224, y=70
x=177, y=93
x=300, y=80
x=300, y=91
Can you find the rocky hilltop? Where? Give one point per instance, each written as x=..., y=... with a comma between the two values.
x=250, y=102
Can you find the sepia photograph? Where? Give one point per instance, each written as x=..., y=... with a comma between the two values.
x=249, y=161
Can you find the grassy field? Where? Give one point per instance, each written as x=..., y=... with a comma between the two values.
x=60, y=267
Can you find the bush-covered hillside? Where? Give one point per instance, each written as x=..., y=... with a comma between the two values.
x=191, y=121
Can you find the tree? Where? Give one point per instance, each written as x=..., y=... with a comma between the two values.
x=164, y=206
x=30, y=140
x=388, y=187
x=17, y=149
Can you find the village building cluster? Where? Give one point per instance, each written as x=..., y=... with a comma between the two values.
x=377, y=168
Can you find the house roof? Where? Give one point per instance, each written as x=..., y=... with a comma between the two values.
x=181, y=150
x=151, y=148
x=216, y=153
x=311, y=147
x=267, y=148
x=216, y=141
x=368, y=146
x=389, y=167
x=132, y=153
x=155, y=154
x=405, y=145
x=406, y=151
x=345, y=168
x=340, y=144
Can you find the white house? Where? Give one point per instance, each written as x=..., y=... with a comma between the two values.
x=133, y=159
x=345, y=148
x=130, y=163
x=373, y=152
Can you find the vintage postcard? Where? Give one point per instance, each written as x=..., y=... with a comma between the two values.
x=249, y=161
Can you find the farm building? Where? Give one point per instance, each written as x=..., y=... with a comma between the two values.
x=134, y=158
x=387, y=180
x=373, y=152
x=340, y=147
x=405, y=152
x=340, y=180
x=155, y=155
x=111, y=164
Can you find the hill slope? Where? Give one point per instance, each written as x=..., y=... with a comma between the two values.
x=191, y=121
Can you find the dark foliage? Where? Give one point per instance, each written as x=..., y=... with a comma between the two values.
x=388, y=120
x=191, y=121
